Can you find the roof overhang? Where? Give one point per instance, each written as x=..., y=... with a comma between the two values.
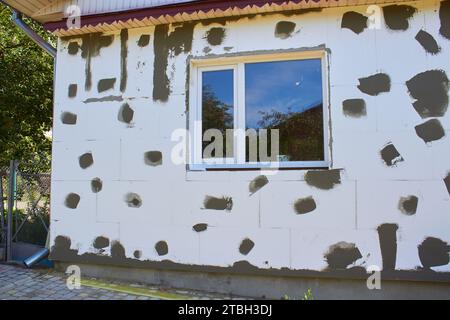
x=52, y=15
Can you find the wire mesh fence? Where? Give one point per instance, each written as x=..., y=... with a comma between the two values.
x=24, y=205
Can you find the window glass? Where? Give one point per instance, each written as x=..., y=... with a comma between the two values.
x=288, y=96
x=217, y=109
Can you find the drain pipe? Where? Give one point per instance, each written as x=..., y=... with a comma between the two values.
x=17, y=19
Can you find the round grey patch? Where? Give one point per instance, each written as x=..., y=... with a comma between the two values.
x=73, y=48
x=72, y=201
x=69, y=118
x=305, y=205
x=162, y=248
x=215, y=36
x=137, y=254
x=408, y=205
x=101, y=242
x=96, y=185
x=284, y=29
x=133, y=200
x=86, y=160
x=153, y=158
x=246, y=246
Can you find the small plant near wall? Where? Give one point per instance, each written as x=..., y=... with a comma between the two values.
x=306, y=296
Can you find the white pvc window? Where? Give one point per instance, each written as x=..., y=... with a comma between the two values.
x=235, y=97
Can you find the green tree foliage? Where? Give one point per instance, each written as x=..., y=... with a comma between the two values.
x=301, y=133
x=216, y=115
x=26, y=93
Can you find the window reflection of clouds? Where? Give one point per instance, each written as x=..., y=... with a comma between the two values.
x=282, y=86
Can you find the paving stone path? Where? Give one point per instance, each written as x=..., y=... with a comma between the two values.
x=18, y=283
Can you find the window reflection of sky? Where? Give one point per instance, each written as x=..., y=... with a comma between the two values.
x=283, y=86
x=221, y=84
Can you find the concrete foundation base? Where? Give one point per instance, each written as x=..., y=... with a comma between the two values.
x=268, y=287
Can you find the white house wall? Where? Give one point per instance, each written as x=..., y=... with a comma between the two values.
x=366, y=198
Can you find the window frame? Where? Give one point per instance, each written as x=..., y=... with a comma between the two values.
x=237, y=64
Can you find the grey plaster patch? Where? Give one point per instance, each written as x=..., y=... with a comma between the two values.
x=341, y=255
x=96, y=185
x=444, y=16
x=390, y=155
x=62, y=252
x=428, y=42
x=430, y=131
x=305, y=205
x=106, y=84
x=133, y=200
x=69, y=118
x=101, y=242
x=215, y=36
x=104, y=99
x=284, y=29
x=126, y=114
x=200, y=227
x=137, y=254
x=246, y=246
x=123, y=59
x=408, y=205
x=397, y=17
x=117, y=251
x=447, y=182
x=165, y=44
x=72, y=92
x=355, y=108
x=354, y=21
x=430, y=90
x=72, y=201
x=86, y=160
x=257, y=184
x=162, y=248
x=375, y=84
x=144, y=40
x=73, y=48
x=91, y=46
x=323, y=179
x=434, y=252
x=153, y=158
x=222, y=204
x=387, y=235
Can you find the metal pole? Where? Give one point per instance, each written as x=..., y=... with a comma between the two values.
x=11, y=187
x=2, y=208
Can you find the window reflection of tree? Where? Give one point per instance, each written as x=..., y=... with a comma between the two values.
x=216, y=115
x=301, y=133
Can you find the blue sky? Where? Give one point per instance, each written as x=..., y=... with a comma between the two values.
x=221, y=83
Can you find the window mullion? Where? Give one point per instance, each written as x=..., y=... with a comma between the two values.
x=240, y=136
